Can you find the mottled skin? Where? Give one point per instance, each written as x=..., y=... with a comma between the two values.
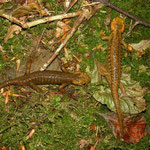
x=114, y=63
x=48, y=77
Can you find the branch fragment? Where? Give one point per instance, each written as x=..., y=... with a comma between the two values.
x=139, y=21
x=39, y=21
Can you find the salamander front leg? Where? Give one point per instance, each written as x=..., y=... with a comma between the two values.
x=103, y=36
x=62, y=86
x=126, y=46
x=35, y=87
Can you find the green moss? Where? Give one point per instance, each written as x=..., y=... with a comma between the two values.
x=62, y=122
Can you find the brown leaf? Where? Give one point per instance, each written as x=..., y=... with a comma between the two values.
x=10, y=33
x=134, y=126
x=82, y=143
x=67, y=3
x=142, y=45
x=18, y=64
x=93, y=127
x=4, y=148
x=3, y=1
x=23, y=147
x=30, y=134
x=134, y=129
x=31, y=8
x=62, y=28
x=91, y=147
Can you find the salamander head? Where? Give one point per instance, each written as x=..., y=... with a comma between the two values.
x=82, y=78
x=117, y=23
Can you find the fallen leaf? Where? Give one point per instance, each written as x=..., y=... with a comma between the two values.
x=99, y=47
x=91, y=147
x=133, y=103
x=30, y=9
x=134, y=129
x=82, y=143
x=93, y=127
x=134, y=126
x=30, y=134
x=8, y=93
x=10, y=33
x=4, y=148
x=142, y=45
x=3, y=1
x=18, y=64
x=23, y=147
x=67, y=3
x=62, y=28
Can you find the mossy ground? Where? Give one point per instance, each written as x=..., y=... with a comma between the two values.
x=62, y=122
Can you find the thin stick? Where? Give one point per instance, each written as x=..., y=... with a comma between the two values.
x=39, y=21
x=139, y=21
x=71, y=5
x=52, y=18
x=130, y=30
x=32, y=55
x=12, y=19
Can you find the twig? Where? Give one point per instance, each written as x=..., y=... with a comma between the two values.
x=49, y=19
x=39, y=21
x=130, y=29
x=32, y=55
x=39, y=40
x=71, y=5
x=12, y=19
x=139, y=21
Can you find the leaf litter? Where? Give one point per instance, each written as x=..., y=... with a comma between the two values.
x=133, y=103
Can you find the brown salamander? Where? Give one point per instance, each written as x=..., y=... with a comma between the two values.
x=114, y=62
x=48, y=77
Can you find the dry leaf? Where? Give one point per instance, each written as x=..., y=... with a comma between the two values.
x=3, y=1
x=10, y=33
x=4, y=148
x=62, y=28
x=18, y=64
x=134, y=126
x=38, y=8
x=8, y=93
x=142, y=45
x=67, y=3
x=23, y=147
x=93, y=127
x=133, y=103
x=82, y=143
x=134, y=129
x=30, y=9
x=30, y=134
x=91, y=147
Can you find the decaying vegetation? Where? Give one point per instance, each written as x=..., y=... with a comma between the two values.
x=55, y=34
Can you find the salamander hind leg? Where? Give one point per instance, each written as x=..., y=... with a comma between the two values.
x=126, y=46
x=35, y=87
x=103, y=36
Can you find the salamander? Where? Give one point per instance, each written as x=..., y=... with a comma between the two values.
x=114, y=62
x=48, y=77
